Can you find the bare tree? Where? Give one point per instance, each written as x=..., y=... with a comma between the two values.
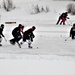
x=8, y=5
x=71, y=8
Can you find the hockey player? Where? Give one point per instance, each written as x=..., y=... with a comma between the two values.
x=1, y=33
x=62, y=18
x=17, y=34
x=28, y=35
x=72, y=32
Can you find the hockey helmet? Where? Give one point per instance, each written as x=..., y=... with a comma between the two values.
x=20, y=25
x=33, y=27
x=2, y=25
x=74, y=25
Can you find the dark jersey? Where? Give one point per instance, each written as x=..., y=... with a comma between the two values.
x=28, y=35
x=72, y=31
x=63, y=15
x=1, y=31
x=16, y=31
x=29, y=32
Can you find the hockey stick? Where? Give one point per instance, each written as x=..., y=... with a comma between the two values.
x=70, y=22
x=5, y=39
x=67, y=38
x=19, y=45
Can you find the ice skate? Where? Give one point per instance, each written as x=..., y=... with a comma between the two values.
x=19, y=45
x=0, y=44
x=11, y=42
x=30, y=47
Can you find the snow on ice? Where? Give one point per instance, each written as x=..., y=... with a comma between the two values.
x=54, y=55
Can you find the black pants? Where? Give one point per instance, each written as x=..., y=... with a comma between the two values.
x=0, y=39
x=58, y=21
x=27, y=37
x=15, y=39
x=73, y=36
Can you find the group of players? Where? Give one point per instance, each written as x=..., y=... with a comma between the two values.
x=18, y=34
x=62, y=19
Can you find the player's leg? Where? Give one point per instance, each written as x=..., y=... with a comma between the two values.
x=29, y=43
x=0, y=41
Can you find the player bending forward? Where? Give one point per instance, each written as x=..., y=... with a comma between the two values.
x=1, y=33
x=17, y=34
x=72, y=32
x=28, y=35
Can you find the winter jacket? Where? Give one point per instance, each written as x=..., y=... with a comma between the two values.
x=1, y=31
x=64, y=15
x=72, y=31
x=16, y=32
x=28, y=35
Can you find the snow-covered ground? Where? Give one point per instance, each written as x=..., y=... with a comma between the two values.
x=54, y=55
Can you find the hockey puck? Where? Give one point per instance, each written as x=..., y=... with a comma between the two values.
x=65, y=40
x=60, y=35
x=37, y=47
